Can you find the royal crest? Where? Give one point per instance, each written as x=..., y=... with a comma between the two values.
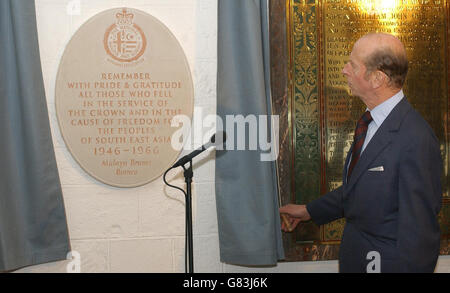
x=124, y=40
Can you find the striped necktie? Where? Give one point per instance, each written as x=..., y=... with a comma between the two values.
x=358, y=141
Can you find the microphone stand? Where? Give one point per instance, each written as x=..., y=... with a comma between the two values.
x=188, y=174
x=189, y=251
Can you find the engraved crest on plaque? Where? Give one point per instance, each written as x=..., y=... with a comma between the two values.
x=124, y=40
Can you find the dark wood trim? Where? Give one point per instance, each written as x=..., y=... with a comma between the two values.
x=279, y=83
x=279, y=74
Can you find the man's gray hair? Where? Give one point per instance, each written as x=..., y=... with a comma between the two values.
x=395, y=66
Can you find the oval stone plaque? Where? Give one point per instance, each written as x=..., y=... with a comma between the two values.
x=122, y=79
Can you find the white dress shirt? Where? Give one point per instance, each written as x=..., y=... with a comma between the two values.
x=379, y=114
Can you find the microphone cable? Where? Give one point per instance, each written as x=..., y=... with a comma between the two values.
x=185, y=218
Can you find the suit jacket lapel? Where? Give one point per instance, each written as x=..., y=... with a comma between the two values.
x=378, y=143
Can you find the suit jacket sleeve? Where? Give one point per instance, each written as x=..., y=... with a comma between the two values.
x=327, y=208
x=419, y=204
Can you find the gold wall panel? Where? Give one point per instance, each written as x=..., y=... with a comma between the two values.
x=323, y=113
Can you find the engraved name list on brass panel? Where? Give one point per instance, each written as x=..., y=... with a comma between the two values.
x=420, y=25
x=321, y=35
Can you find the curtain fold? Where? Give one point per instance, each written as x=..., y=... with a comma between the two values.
x=246, y=187
x=33, y=226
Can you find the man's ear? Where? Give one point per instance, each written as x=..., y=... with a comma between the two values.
x=378, y=78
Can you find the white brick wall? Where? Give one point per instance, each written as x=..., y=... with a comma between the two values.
x=142, y=229
x=136, y=229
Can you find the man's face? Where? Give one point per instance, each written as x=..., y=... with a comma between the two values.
x=355, y=71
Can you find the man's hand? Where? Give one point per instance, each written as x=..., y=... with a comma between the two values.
x=291, y=215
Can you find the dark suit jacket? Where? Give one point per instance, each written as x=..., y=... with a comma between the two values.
x=393, y=212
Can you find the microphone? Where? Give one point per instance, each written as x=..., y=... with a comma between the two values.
x=217, y=139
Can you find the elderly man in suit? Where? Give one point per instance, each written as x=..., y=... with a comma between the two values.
x=391, y=192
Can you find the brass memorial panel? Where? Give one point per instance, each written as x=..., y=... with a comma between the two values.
x=322, y=112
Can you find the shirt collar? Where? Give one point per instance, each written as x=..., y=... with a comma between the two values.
x=380, y=112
